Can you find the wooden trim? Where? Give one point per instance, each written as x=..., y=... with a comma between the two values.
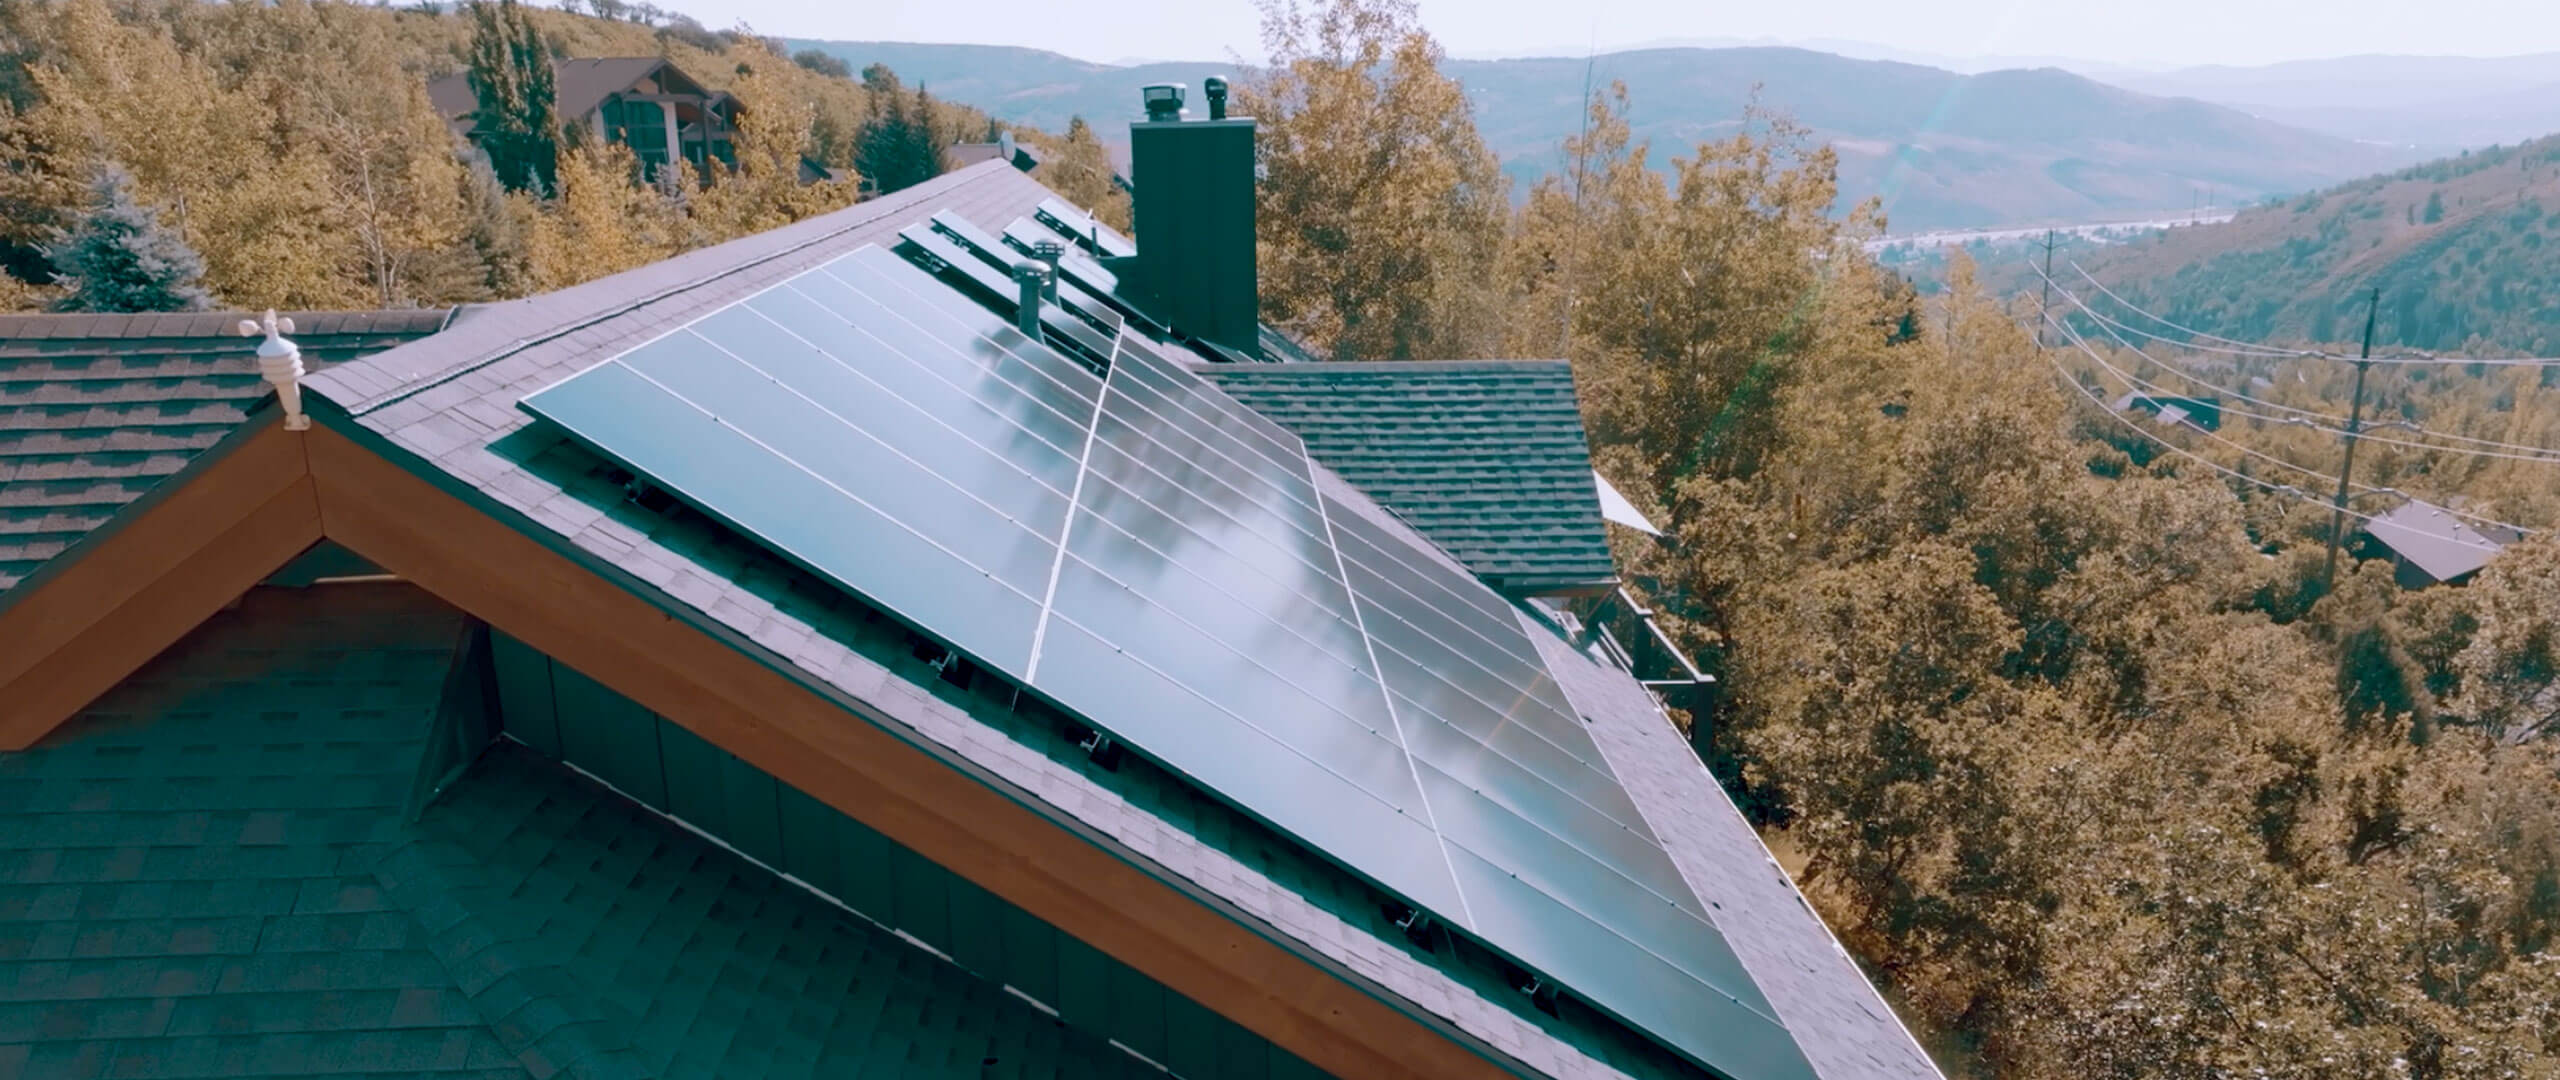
x=708, y=685
x=160, y=575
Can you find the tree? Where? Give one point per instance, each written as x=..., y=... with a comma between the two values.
x=2435, y=207
x=1380, y=208
x=901, y=143
x=1078, y=167
x=764, y=190
x=118, y=257
x=516, y=116
x=823, y=62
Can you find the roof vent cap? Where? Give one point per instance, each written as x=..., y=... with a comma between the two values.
x=1164, y=101
x=1215, y=89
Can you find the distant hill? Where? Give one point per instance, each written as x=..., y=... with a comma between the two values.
x=1944, y=150
x=2466, y=251
x=2447, y=102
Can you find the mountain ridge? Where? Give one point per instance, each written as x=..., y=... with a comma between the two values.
x=2013, y=147
x=2465, y=251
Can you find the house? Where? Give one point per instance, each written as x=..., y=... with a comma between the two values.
x=1002, y=148
x=2429, y=545
x=643, y=102
x=872, y=645
x=2203, y=413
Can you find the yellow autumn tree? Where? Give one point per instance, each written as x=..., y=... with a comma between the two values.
x=1381, y=211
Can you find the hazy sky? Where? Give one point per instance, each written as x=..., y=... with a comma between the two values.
x=2148, y=33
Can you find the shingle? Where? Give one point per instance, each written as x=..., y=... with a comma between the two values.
x=1486, y=458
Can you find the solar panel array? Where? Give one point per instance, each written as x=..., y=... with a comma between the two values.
x=1157, y=559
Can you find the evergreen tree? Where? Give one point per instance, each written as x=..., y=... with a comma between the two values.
x=900, y=145
x=2435, y=207
x=511, y=78
x=118, y=257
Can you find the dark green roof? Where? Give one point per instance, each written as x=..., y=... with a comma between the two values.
x=97, y=409
x=1485, y=458
x=214, y=872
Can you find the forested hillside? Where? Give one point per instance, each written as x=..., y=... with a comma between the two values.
x=2461, y=248
x=2065, y=730
x=1941, y=149
x=286, y=153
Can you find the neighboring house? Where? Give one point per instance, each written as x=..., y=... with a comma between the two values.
x=2430, y=546
x=824, y=653
x=1004, y=148
x=2204, y=413
x=643, y=102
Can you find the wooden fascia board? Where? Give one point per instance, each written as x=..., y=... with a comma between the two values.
x=844, y=752
x=274, y=493
x=218, y=531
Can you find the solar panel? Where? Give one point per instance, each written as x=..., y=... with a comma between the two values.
x=1085, y=274
x=1097, y=238
x=1157, y=559
x=1024, y=233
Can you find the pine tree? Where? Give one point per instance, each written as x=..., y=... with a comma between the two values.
x=518, y=103
x=900, y=145
x=118, y=257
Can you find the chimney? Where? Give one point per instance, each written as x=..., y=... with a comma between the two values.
x=1194, y=206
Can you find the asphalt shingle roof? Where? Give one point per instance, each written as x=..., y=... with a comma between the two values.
x=95, y=410
x=1485, y=458
x=213, y=873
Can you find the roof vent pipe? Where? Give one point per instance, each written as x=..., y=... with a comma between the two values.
x=1215, y=89
x=280, y=364
x=1029, y=279
x=1049, y=252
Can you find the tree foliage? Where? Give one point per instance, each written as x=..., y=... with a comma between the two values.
x=292, y=144
x=902, y=143
x=517, y=118
x=1380, y=210
x=1078, y=167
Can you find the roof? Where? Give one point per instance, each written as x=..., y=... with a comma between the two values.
x=580, y=84
x=172, y=910
x=1486, y=458
x=2437, y=542
x=446, y=406
x=95, y=410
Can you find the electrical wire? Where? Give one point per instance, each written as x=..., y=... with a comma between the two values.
x=2319, y=420
x=2263, y=350
x=2278, y=489
x=2131, y=381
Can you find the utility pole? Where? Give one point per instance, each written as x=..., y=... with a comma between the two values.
x=2355, y=421
x=2044, y=310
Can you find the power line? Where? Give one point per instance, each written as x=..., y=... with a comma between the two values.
x=2287, y=490
x=2270, y=351
x=2132, y=381
x=2317, y=420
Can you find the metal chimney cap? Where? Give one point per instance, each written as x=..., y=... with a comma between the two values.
x=1215, y=89
x=1164, y=100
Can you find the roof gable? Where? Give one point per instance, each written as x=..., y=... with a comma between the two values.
x=96, y=410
